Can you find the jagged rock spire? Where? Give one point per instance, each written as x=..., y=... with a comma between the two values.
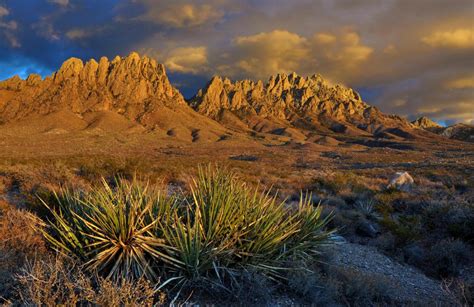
x=281, y=96
x=130, y=85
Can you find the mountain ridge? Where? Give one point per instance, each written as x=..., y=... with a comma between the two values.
x=295, y=100
x=138, y=89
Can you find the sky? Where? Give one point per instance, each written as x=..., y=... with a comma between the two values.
x=412, y=58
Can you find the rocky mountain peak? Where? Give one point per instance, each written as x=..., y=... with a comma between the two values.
x=130, y=85
x=281, y=96
x=425, y=123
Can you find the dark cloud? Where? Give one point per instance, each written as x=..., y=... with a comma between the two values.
x=407, y=57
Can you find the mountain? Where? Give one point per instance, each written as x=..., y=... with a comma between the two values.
x=426, y=123
x=460, y=131
x=133, y=94
x=288, y=102
x=110, y=95
x=131, y=86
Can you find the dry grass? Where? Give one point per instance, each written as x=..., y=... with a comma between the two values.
x=60, y=281
x=18, y=242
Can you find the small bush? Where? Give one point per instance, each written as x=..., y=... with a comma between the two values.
x=455, y=219
x=18, y=241
x=339, y=181
x=446, y=257
x=59, y=281
x=460, y=292
x=406, y=229
x=334, y=285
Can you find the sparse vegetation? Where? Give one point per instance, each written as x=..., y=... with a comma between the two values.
x=429, y=227
x=60, y=281
x=220, y=231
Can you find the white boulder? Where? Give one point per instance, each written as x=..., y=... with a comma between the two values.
x=401, y=181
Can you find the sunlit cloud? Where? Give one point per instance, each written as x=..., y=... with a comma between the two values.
x=60, y=2
x=187, y=60
x=4, y=11
x=337, y=55
x=267, y=53
x=462, y=83
x=459, y=38
x=180, y=15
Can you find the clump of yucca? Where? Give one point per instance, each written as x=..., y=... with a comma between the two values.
x=229, y=227
x=111, y=229
x=222, y=229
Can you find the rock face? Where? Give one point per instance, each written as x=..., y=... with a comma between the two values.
x=137, y=89
x=401, y=181
x=426, y=123
x=302, y=102
x=131, y=86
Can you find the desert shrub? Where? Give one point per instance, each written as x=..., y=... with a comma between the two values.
x=460, y=292
x=333, y=286
x=229, y=228
x=455, y=219
x=360, y=289
x=220, y=231
x=340, y=181
x=405, y=228
x=95, y=169
x=18, y=241
x=60, y=281
x=447, y=257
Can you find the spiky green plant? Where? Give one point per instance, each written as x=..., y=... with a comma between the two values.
x=221, y=230
x=110, y=228
x=229, y=227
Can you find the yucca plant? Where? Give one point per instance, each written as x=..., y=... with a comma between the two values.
x=221, y=230
x=111, y=228
x=229, y=227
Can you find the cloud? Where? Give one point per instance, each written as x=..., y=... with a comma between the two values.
x=45, y=28
x=60, y=2
x=187, y=60
x=342, y=55
x=324, y=38
x=77, y=34
x=462, y=83
x=266, y=53
x=440, y=97
x=8, y=29
x=390, y=50
x=459, y=38
x=180, y=15
x=4, y=11
x=336, y=55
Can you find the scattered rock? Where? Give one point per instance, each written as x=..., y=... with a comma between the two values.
x=402, y=181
